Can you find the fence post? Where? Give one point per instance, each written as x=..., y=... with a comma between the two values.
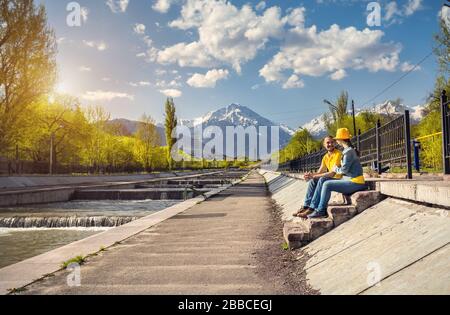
x=378, y=136
x=416, y=145
x=358, y=140
x=408, y=144
x=445, y=133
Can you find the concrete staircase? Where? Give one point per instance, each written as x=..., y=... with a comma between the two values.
x=300, y=232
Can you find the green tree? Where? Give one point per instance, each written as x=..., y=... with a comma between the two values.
x=27, y=64
x=148, y=135
x=170, y=126
x=339, y=110
x=442, y=48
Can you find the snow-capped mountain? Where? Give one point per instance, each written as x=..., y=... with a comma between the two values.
x=233, y=115
x=236, y=115
x=388, y=109
x=316, y=127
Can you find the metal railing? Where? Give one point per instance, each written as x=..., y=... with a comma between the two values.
x=445, y=132
x=380, y=148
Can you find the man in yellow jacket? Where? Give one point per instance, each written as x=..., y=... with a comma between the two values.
x=330, y=161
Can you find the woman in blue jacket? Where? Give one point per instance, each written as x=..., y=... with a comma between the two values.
x=352, y=171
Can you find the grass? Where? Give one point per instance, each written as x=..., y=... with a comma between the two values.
x=285, y=246
x=77, y=260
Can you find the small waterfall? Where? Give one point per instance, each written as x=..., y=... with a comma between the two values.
x=64, y=222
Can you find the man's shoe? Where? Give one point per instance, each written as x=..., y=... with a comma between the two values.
x=318, y=215
x=301, y=211
x=305, y=214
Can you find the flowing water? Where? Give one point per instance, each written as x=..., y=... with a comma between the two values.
x=29, y=231
x=20, y=244
x=80, y=213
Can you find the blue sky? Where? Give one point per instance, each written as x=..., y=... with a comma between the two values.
x=280, y=58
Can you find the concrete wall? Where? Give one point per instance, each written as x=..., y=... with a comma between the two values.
x=61, y=194
x=11, y=182
x=395, y=247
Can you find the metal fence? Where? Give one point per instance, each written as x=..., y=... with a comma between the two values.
x=446, y=132
x=380, y=148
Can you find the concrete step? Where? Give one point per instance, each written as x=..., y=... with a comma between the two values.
x=298, y=233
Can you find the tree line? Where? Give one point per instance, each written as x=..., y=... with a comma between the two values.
x=57, y=130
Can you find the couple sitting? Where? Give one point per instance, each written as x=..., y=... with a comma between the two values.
x=340, y=172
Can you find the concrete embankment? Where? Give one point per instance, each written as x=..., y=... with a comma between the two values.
x=17, y=182
x=35, y=193
x=395, y=247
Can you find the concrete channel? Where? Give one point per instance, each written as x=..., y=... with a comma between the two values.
x=29, y=270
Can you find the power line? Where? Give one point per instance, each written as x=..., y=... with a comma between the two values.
x=399, y=79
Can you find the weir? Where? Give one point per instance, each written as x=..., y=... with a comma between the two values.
x=64, y=222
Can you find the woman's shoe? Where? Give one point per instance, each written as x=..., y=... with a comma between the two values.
x=318, y=215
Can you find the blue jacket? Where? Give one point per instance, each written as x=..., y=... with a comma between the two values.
x=351, y=166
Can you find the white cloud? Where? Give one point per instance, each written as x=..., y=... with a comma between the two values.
x=394, y=14
x=412, y=6
x=105, y=96
x=85, y=69
x=260, y=6
x=406, y=67
x=140, y=84
x=162, y=6
x=338, y=75
x=310, y=52
x=139, y=29
x=208, y=80
x=391, y=11
x=171, y=93
x=293, y=82
x=160, y=72
x=186, y=55
x=296, y=17
x=118, y=6
x=227, y=34
x=100, y=46
x=172, y=84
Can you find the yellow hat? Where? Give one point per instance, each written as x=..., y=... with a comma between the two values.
x=343, y=134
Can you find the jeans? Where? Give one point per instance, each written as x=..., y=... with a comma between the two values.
x=341, y=186
x=314, y=191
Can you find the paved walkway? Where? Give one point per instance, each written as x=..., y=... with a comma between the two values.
x=209, y=249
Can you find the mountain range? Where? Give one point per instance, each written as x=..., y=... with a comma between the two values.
x=232, y=115
x=239, y=115
x=388, y=109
